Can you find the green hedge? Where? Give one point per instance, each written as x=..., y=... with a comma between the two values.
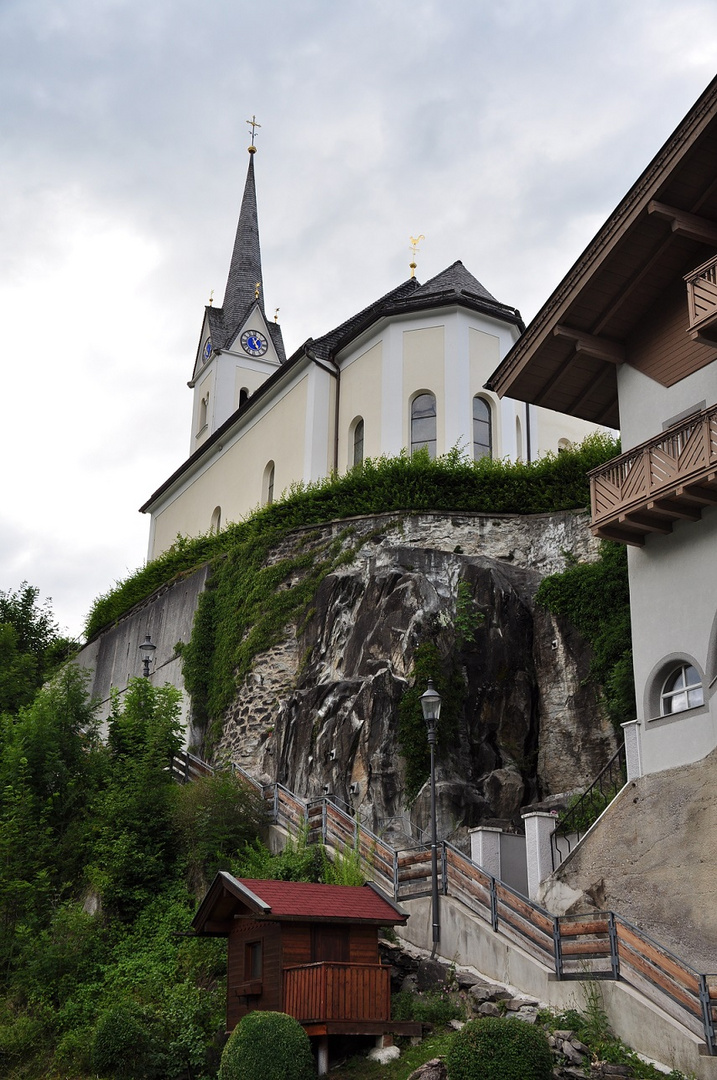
x=404, y=483
x=499, y=1049
x=267, y=1046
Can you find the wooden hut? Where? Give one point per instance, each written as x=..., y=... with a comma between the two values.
x=307, y=950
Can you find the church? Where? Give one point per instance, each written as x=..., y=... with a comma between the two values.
x=406, y=372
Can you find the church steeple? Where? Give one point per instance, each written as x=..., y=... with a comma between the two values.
x=244, y=283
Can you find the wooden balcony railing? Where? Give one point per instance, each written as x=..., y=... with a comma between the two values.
x=702, y=302
x=668, y=478
x=331, y=991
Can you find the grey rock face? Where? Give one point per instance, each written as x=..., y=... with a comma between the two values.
x=320, y=712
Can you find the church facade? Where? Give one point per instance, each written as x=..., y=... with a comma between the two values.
x=406, y=372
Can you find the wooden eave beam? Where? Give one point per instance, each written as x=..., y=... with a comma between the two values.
x=622, y=536
x=601, y=348
x=671, y=508
x=697, y=494
x=645, y=523
x=592, y=386
x=685, y=224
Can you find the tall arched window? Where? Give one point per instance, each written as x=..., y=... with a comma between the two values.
x=482, y=429
x=423, y=423
x=518, y=440
x=357, y=455
x=203, y=411
x=267, y=494
x=216, y=519
x=243, y=395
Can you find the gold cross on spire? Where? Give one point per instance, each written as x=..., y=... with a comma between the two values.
x=253, y=125
x=415, y=241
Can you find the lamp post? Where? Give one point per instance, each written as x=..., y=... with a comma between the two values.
x=147, y=652
x=431, y=706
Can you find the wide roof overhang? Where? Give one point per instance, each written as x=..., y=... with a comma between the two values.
x=666, y=225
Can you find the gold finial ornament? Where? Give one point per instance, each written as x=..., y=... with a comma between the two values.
x=415, y=241
x=253, y=125
x=276, y=314
x=257, y=290
x=211, y=298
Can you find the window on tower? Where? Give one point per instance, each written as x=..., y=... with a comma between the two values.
x=357, y=455
x=267, y=495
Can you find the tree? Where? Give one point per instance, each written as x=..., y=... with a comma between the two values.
x=31, y=646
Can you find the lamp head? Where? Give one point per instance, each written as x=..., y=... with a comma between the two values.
x=431, y=705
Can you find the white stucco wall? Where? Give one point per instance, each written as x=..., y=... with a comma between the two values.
x=673, y=596
x=645, y=405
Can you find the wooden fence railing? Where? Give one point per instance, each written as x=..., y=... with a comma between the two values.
x=601, y=945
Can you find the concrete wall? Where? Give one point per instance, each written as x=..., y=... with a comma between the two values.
x=114, y=656
x=469, y=942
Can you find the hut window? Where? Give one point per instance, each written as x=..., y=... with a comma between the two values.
x=253, y=960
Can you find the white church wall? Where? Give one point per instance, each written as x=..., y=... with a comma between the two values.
x=361, y=395
x=553, y=427
x=232, y=477
x=318, y=429
x=423, y=369
x=457, y=372
x=201, y=429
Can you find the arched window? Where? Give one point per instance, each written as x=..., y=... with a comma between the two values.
x=682, y=690
x=423, y=423
x=216, y=519
x=518, y=440
x=482, y=429
x=563, y=445
x=267, y=495
x=357, y=456
x=243, y=395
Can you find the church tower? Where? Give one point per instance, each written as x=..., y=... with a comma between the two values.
x=238, y=347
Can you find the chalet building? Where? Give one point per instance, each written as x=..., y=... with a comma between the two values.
x=307, y=950
x=629, y=339
x=406, y=372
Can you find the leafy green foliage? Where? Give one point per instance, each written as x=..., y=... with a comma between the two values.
x=428, y=1006
x=595, y=598
x=124, y=1044
x=403, y=483
x=217, y=816
x=267, y=1046
x=31, y=647
x=499, y=1049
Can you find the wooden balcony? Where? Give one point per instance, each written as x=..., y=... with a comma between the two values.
x=702, y=302
x=669, y=478
x=331, y=991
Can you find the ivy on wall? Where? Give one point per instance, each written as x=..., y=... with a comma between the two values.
x=595, y=598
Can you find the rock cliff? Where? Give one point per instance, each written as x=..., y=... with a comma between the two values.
x=319, y=712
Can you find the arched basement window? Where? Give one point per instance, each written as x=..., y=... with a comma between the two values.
x=482, y=429
x=682, y=690
x=357, y=457
x=268, y=484
x=423, y=423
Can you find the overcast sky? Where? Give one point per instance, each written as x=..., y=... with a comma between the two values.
x=503, y=131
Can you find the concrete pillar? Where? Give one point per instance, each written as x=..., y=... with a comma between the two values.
x=322, y=1055
x=539, y=827
x=485, y=849
x=632, y=748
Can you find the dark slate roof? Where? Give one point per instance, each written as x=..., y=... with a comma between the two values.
x=455, y=285
x=278, y=340
x=298, y=900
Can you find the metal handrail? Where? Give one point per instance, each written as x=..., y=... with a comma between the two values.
x=609, y=782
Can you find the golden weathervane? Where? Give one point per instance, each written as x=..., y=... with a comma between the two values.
x=415, y=241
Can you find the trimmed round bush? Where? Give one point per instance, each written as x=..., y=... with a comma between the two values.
x=499, y=1049
x=267, y=1046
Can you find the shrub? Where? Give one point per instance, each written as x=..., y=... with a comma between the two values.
x=123, y=1046
x=499, y=1049
x=430, y=1007
x=267, y=1046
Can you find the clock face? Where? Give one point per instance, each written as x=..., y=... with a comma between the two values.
x=207, y=350
x=254, y=343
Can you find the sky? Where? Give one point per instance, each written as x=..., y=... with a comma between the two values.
x=504, y=132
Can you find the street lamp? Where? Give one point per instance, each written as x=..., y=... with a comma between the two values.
x=431, y=705
x=147, y=652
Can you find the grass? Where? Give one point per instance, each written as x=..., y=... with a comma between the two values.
x=360, y=1068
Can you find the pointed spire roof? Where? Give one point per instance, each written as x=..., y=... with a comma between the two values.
x=245, y=266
